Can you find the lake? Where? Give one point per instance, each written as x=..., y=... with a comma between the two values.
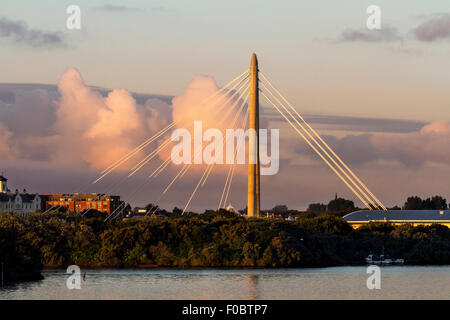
x=397, y=282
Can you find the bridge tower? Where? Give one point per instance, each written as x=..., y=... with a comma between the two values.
x=253, y=204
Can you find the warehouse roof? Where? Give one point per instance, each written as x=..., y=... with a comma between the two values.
x=405, y=215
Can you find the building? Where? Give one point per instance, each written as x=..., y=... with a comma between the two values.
x=398, y=217
x=3, y=185
x=21, y=203
x=138, y=212
x=230, y=208
x=279, y=215
x=81, y=202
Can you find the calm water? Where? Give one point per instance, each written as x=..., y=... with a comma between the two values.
x=327, y=283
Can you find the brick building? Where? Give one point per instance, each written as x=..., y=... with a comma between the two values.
x=81, y=202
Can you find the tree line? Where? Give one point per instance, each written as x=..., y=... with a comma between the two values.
x=341, y=206
x=433, y=203
x=218, y=239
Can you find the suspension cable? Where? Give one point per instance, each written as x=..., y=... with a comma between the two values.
x=314, y=148
x=323, y=150
x=162, y=131
x=379, y=204
x=207, y=169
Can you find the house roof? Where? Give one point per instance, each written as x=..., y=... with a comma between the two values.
x=405, y=215
x=2, y=178
x=26, y=198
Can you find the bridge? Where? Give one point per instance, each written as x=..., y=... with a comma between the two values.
x=243, y=93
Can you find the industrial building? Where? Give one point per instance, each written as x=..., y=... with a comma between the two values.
x=398, y=217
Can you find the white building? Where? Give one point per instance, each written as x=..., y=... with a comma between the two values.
x=22, y=203
x=230, y=208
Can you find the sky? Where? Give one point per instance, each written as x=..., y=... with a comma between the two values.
x=381, y=101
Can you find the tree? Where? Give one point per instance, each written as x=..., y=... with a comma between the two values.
x=317, y=207
x=435, y=203
x=281, y=208
x=177, y=211
x=92, y=213
x=19, y=258
x=413, y=203
x=151, y=207
x=340, y=205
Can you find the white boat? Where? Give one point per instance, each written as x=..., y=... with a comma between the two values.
x=383, y=260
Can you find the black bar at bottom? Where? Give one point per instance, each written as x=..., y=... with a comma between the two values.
x=221, y=309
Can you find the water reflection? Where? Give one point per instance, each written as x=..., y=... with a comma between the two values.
x=328, y=283
x=253, y=293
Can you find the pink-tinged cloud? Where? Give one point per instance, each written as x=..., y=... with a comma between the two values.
x=434, y=29
x=430, y=145
x=101, y=129
x=201, y=102
x=5, y=137
x=62, y=137
x=188, y=106
x=81, y=127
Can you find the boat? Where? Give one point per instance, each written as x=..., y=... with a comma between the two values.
x=383, y=260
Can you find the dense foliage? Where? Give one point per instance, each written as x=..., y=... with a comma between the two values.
x=337, y=206
x=19, y=258
x=433, y=203
x=211, y=240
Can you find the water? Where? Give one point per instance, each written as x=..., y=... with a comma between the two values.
x=397, y=282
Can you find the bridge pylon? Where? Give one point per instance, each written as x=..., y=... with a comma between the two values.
x=253, y=204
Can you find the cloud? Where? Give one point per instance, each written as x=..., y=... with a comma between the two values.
x=385, y=34
x=436, y=28
x=116, y=8
x=53, y=139
x=214, y=113
x=30, y=114
x=359, y=124
x=83, y=130
x=102, y=129
x=161, y=9
x=429, y=145
x=122, y=8
x=80, y=126
x=5, y=144
x=7, y=97
x=19, y=32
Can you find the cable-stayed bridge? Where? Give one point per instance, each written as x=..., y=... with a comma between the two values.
x=236, y=105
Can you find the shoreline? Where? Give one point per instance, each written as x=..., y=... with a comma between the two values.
x=148, y=267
